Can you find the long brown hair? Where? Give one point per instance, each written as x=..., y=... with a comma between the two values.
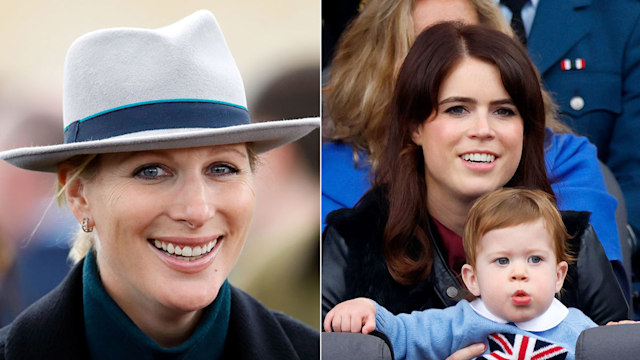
x=401, y=170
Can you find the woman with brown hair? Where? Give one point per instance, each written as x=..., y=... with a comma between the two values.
x=467, y=118
x=358, y=112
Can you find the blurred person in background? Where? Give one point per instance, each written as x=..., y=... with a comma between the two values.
x=281, y=264
x=35, y=234
x=588, y=54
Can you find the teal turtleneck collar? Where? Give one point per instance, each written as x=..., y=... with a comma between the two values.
x=112, y=335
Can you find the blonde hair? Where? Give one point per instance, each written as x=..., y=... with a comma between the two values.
x=86, y=167
x=365, y=68
x=364, y=71
x=511, y=207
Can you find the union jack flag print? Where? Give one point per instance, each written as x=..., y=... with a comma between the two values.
x=521, y=347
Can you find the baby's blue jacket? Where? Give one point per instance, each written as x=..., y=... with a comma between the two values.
x=438, y=333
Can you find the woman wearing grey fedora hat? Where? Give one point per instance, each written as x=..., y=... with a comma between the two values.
x=157, y=166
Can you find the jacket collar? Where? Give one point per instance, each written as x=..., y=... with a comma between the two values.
x=553, y=316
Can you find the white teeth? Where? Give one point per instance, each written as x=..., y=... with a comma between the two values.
x=479, y=157
x=186, y=253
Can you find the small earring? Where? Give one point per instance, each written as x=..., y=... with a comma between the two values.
x=85, y=225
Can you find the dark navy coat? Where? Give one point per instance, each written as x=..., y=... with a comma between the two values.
x=53, y=328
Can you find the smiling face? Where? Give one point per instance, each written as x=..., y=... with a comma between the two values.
x=473, y=143
x=516, y=272
x=170, y=224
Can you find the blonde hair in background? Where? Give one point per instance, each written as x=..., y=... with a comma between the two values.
x=511, y=207
x=365, y=67
x=363, y=73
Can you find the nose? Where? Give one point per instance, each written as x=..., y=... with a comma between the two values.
x=193, y=203
x=519, y=273
x=481, y=127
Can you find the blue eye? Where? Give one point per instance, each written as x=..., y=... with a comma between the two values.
x=150, y=172
x=535, y=259
x=222, y=169
x=502, y=261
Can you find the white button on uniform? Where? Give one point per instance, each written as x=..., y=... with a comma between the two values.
x=576, y=103
x=452, y=292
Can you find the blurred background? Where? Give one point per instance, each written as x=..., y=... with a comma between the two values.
x=276, y=45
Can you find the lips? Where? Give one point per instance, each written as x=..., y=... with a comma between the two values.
x=520, y=298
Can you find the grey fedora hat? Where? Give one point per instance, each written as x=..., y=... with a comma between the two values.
x=131, y=89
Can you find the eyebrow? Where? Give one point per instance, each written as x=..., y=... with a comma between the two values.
x=462, y=99
x=501, y=252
